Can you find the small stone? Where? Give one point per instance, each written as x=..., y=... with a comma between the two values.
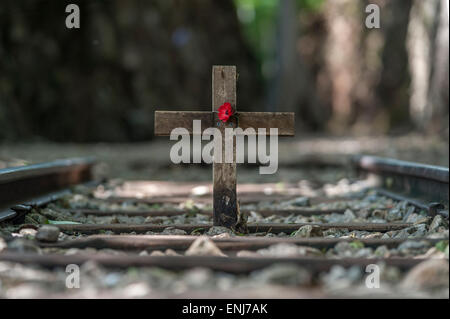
x=442, y=234
x=390, y=274
x=114, y=220
x=419, y=231
x=217, y=230
x=198, y=278
x=364, y=253
x=247, y=254
x=394, y=214
x=402, y=234
x=157, y=253
x=203, y=246
x=23, y=246
x=283, y=274
x=363, y=213
x=382, y=251
x=352, y=249
x=223, y=236
x=372, y=198
x=435, y=224
x=334, y=232
x=288, y=250
x=308, y=231
x=112, y=279
x=28, y=232
x=82, y=189
x=173, y=231
x=373, y=235
x=422, y=220
x=48, y=234
x=411, y=246
x=408, y=213
x=339, y=277
x=72, y=251
x=143, y=253
x=379, y=214
x=430, y=274
x=171, y=252
x=343, y=249
x=92, y=269
x=299, y=202
x=413, y=218
x=200, y=190
x=348, y=216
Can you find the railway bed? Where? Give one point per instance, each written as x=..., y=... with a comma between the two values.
x=156, y=239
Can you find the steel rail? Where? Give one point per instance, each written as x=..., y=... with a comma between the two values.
x=40, y=183
x=416, y=180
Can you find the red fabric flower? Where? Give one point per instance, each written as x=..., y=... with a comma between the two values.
x=224, y=112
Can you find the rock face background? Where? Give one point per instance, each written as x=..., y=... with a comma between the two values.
x=104, y=81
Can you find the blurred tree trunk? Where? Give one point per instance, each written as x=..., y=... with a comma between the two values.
x=286, y=86
x=299, y=57
x=342, y=59
x=428, y=51
x=438, y=98
x=392, y=88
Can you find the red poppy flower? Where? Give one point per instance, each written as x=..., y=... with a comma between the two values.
x=225, y=111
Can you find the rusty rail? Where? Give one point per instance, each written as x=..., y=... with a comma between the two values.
x=416, y=180
x=29, y=185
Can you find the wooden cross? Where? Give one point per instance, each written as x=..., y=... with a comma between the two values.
x=226, y=211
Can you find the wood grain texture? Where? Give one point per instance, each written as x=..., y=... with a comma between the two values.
x=177, y=242
x=225, y=209
x=166, y=121
x=275, y=228
x=238, y=265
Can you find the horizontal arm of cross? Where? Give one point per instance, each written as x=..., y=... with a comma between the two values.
x=166, y=121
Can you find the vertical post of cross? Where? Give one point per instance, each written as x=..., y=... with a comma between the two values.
x=224, y=174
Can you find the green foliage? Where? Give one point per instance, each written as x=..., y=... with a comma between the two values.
x=357, y=244
x=258, y=20
x=198, y=231
x=259, y=24
x=310, y=5
x=35, y=219
x=442, y=245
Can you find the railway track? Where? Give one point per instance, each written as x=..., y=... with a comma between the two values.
x=395, y=216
